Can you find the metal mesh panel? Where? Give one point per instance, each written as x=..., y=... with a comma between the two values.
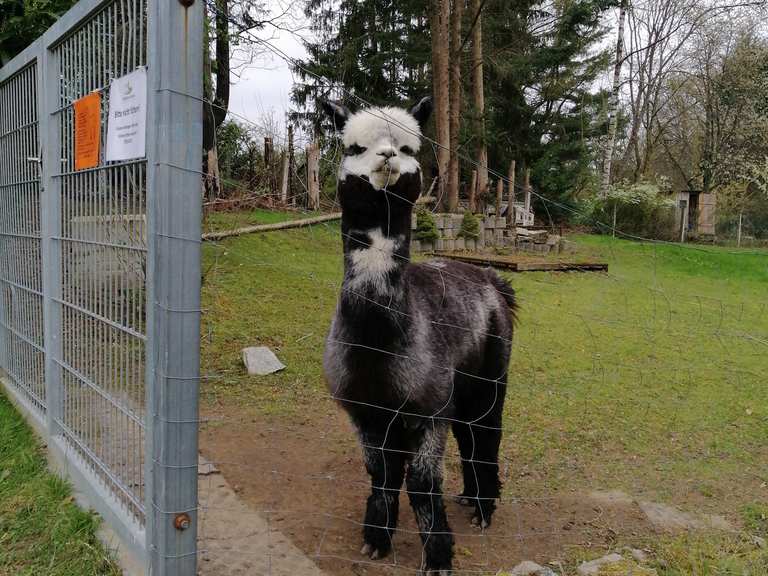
x=21, y=302
x=103, y=252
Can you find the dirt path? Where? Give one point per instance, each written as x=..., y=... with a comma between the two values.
x=306, y=479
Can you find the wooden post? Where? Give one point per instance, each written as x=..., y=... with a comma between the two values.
x=267, y=151
x=269, y=173
x=499, y=195
x=473, y=192
x=511, y=208
x=313, y=176
x=527, y=189
x=284, y=180
x=291, y=167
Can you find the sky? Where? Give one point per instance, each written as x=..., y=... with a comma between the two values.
x=264, y=85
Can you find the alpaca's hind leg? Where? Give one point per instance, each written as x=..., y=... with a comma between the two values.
x=425, y=492
x=486, y=466
x=463, y=434
x=486, y=434
x=386, y=468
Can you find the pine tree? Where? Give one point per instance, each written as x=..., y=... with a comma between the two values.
x=378, y=50
x=541, y=62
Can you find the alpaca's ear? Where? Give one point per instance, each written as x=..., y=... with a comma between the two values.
x=338, y=113
x=422, y=111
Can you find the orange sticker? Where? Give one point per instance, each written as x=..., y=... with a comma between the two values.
x=87, y=131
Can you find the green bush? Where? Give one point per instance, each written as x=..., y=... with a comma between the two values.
x=470, y=226
x=426, y=230
x=643, y=209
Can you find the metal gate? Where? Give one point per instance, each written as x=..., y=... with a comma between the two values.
x=100, y=269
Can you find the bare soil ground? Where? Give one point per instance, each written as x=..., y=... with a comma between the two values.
x=306, y=477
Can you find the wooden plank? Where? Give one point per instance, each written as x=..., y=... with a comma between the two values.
x=508, y=263
x=272, y=227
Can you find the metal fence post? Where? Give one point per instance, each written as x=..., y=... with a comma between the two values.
x=174, y=204
x=50, y=228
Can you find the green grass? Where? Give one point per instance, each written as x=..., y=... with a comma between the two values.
x=42, y=532
x=649, y=379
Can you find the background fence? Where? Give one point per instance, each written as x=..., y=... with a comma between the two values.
x=99, y=325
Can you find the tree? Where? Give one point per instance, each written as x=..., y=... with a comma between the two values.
x=660, y=34
x=455, y=108
x=613, y=103
x=379, y=51
x=478, y=99
x=541, y=61
x=440, y=28
x=24, y=21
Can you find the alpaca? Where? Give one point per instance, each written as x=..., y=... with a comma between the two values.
x=413, y=349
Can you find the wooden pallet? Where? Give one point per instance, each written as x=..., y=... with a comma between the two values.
x=515, y=265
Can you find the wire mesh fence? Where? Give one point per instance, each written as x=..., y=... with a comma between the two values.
x=634, y=404
x=628, y=416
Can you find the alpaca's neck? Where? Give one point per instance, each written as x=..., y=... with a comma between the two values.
x=375, y=256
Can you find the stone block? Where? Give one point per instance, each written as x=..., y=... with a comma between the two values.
x=449, y=244
x=439, y=245
x=260, y=361
x=449, y=233
x=471, y=244
x=501, y=222
x=460, y=244
x=439, y=221
x=415, y=245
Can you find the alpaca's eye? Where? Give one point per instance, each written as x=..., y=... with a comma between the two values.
x=354, y=150
x=407, y=150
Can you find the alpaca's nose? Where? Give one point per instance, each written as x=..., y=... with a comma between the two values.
x=387, y=153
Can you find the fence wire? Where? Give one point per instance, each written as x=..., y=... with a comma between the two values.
x=265, y=434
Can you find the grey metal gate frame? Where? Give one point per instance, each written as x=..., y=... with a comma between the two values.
x=100, y=270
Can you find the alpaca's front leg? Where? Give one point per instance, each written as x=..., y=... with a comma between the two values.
x=425, y=491
x=386, y=468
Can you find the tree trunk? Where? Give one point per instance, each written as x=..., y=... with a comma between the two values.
x=440, y=24
x=738, y=232
x=613, y=102
x=455, y=105
x=215, y=112
x=478, y=96
x=499, y=195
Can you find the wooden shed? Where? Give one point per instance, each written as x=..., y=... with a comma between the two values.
x=696, y=213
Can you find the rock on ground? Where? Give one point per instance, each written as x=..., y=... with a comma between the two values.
x=260, y=361
x=593, y=567
x=528, y=568
x=614, y=565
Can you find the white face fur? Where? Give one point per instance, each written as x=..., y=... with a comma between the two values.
x=380, y=144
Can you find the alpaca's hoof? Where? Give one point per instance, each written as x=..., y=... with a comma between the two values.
x=370, y=552
x=480, y=522
x=429, y=571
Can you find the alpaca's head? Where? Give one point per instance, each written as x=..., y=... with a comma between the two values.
x=380, y=146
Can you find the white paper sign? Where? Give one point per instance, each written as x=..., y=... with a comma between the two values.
x=127, y=122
